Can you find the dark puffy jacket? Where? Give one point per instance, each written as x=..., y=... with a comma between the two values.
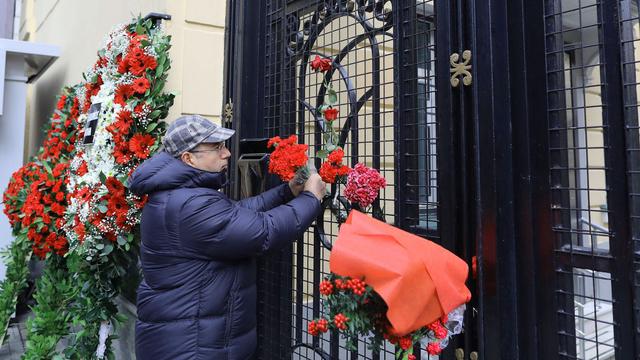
x=198, y=297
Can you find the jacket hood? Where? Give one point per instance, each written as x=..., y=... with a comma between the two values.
x=164, y=172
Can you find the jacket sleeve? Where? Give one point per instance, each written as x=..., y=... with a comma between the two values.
x=268, y=199
x=214, y=226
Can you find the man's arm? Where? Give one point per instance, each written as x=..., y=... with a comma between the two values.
x=213, y=226
x=268, y=199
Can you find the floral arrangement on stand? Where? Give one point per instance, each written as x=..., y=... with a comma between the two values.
x=35, y=203
x=70, y=205
x=354, y=308
x=102, y=218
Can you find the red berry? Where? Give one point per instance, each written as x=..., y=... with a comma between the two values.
x=340, y=321
x=322, y=325
x=313, y=330
x=411, y=357
x=326, y=288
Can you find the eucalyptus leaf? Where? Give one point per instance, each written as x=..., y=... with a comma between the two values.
x=322, y=154
x=107, y=250
x=332, y=97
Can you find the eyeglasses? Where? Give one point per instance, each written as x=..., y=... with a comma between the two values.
x=218, y=147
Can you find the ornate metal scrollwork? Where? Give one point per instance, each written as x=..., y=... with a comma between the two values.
x=228, y=110
x=227, y=114
x=375, y=18
x=460, y=68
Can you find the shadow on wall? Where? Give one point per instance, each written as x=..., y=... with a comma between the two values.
x=43, y=104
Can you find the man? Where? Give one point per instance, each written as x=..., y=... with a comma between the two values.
x=198, y=296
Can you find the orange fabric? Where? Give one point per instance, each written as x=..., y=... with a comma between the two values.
x=419, y=280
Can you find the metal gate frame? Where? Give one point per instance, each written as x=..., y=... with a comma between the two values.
x=496, y=202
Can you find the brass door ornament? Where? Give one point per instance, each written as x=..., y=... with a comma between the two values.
x=460, y=68
x=460, y=355
x=228, y=111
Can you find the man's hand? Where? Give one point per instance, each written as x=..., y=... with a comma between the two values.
x=295, y=187
x=316, y=186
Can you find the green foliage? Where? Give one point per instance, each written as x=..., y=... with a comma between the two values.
x=55, y=291
x=16, y=259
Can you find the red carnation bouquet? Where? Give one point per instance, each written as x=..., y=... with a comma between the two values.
x=357, y=311
x=289, y=158
x=414, y=293
x=363, y=185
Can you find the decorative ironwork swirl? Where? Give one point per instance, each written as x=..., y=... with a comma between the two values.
x=375, y=19
x=301, y=48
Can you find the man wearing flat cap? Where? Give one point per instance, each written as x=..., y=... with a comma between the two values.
x=198, y=296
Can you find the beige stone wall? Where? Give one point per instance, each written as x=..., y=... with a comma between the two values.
x=79, y=26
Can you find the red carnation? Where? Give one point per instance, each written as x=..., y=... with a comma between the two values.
x=333, y=168
x=434, y=348
x=363, y=185
x=288, y=157
x=321, y=64
x=331, y=114
x=405, y=342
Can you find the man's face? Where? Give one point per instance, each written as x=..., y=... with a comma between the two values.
x=213, y=157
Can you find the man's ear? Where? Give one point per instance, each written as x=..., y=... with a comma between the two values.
x=186, y=158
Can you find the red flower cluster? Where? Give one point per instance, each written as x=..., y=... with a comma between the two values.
x=136, y=61
x=123, y=93
x=92, y=89
x=321, y=64
x=434, y=348
x=19, y=183
x=405, y=342
x=115, y=219
x=59, y=142
x=352, y=301
x=44, y=208
x=340, y=320
x=36, y=197
x=439, y=330
x=326, y=287
x=333, y=167
x=140, y=145
x=117, y=205
x=288, y=156
x=316, y=327
x=357, y=286
x=363, y=185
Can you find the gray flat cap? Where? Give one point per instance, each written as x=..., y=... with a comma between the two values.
x=186, y=132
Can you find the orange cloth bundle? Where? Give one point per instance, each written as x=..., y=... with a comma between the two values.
x=419, y=280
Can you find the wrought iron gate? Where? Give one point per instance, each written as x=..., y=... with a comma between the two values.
x=387, y=78
x=506, y=129
x=592, y=53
